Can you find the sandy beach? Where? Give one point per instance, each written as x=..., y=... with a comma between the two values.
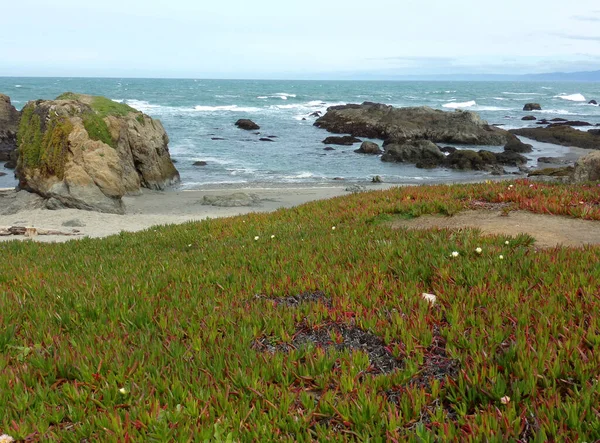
x=159, y=208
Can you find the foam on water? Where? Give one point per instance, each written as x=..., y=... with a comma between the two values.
x=572, y=97
x=228, y=108
x=522, y=93
x=455, y=105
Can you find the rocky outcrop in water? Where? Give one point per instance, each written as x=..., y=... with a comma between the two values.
x=532, y=107
x=9, y=124
x=87, y=152
x=423, y=153
x=561, y=135
x=246, y=124
x=346, y=140
x=369, y=148
x=398, y=125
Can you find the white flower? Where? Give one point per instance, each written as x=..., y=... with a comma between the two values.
x=507, y=243
x=510, y=186
x=123, y=391
x=479, y=250
x=333, y=228
x=501, y=257
x=505, y=400
x=455, y=254
x=256, y=238
x=272, y=236
x=5, y=438
x=430, y=298
x=190, y=245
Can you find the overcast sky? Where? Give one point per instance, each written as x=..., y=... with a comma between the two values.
x=296, y=38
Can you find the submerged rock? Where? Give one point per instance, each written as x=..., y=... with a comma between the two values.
x=398, y=125
x=529, y=118
x=561, y=135
x=247, y=124
x=86, y=152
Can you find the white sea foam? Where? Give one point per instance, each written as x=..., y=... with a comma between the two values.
x=522, y=93
x=18, y=86
x=572, y=97
x=546, y=87
x=490, y=108
x=280, y=95
x=140, y=105
x=557, y=111
x=455, y=105
x=230, y=108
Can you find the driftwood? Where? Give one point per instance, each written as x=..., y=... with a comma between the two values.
x=32, y=232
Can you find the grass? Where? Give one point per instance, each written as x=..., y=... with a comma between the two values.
x=153, y=336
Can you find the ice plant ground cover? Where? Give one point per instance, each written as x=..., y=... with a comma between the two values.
x=200, y=332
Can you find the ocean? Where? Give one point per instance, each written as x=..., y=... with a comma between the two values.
x=195, y=112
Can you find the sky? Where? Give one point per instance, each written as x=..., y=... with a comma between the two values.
x=296, y=39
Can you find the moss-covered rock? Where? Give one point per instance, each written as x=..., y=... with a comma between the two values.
x=561, y=135
x=87, y=152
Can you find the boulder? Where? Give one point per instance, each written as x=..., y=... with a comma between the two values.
x=399, y=125
x=471, y=160
x=12, y=163
x=561, y=135
x=9, y=125
x=369, y=148
x=247, y=124
x=199, y=163
x=592, y=102
x=424, y=153
x=346, y=140
x=231, y=200
x=587, y=168
x=532, y=107
x=516, y=145
x=510, y=158
x=529, y=118
x=86, y=152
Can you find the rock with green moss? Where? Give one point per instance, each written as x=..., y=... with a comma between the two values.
x=87, y=152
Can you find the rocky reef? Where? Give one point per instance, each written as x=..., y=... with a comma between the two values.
x=397, y=125
x=562, y=135
x=87, y=152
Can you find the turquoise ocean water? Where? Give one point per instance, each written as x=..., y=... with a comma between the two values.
x=195, y=111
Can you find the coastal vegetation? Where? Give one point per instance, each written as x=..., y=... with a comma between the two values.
x=41, y=149
x=318, y=323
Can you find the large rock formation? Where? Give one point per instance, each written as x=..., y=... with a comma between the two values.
x=9, y=124
x=86, y=152
x=561, y=135
x=398, y=125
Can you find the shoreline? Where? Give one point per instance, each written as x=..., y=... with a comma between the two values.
x=172, y=206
